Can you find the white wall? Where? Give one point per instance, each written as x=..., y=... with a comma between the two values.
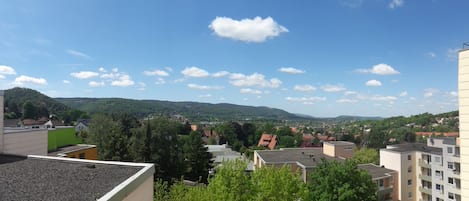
x=27, y=142
x=464, y=121
x=144, y=192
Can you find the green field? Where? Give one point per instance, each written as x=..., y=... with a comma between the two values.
x=62, y=137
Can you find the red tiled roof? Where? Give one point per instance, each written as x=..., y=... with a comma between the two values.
x=268, y=141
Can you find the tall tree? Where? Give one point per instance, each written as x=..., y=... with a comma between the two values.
x=341, y=181
x=366, y=155
x=197, y=157
x=29, y=110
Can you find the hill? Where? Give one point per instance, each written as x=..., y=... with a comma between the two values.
x=15, y=99
x=192, y=110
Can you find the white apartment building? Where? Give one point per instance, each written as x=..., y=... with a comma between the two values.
x=463, y=65
x=426, y=172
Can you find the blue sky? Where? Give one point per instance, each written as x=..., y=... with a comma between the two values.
x=322, y=58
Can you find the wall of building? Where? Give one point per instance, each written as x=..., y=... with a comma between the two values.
x=1, y=122
x=27, y=142
x=392, y=160
x=144, y=192
x=338, y=150
x=89, y=153
x=464, y=121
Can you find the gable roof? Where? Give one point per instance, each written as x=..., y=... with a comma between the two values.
x=268, y=140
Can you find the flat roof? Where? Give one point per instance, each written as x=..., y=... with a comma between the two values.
x=339, y=142
x=376, y=171
x=72, y=148
x=50, y=178
x=407, y=147
x=308, y=157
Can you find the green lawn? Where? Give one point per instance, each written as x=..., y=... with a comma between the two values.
x=62, y=137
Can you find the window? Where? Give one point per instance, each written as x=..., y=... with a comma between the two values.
x=409, y=169
x=450, y=195
x=450, y=180
x=409, y=195
x=409, y=182
x=81, y=156
x=381, y=183
x=437, y=159
x=409, y=157
x=450, y=165
x=450, y=150
x=438, y=187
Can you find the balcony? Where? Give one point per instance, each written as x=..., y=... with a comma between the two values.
x=425, y=177
x=424, y=163
x=425, y=190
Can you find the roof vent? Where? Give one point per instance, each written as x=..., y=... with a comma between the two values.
x=91, y=166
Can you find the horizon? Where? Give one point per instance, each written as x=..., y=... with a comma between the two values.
x=323, y=58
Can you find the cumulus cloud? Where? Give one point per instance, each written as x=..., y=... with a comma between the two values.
x=66, y=82
x=373, y=83
x=431, y=54
x=256, y=79
x=404, y=93
x=380, y=69
x=248, y=30
x=382, y=98
x=161, y=73
x=429, y=92
x=194, y=72
x=78, y=54
x=204, y=87
x=221, y=74
x=250, y=91
x=453, y=93
x=305, y=87
x=96, y=84
x=346, y=100
x=6, y=70
x=306, y=100
x=396, y=3
x=102, y=70
x=160, y=81
x=348, y=93
x=84, y=74
x=205, y=96
x=23, y=79
x=123, y=81
x=333, y=88
x=291, y=70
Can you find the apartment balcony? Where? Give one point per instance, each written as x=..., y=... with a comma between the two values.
x=425, y=190
x=424, y=163
x=425, y=177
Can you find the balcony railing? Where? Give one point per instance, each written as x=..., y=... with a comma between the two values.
x=425, y=190
x=425, y=177
x=424, y=163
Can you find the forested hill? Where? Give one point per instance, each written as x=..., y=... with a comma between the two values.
x=193, y=110
x=15, y=98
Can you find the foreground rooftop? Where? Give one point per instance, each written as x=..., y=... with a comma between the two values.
x=49, y=178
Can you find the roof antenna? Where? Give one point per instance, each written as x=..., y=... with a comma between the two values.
x=465, y=45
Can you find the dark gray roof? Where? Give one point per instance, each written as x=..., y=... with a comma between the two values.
x=408, y=147
x=308, y=157
x=376, y=171
x=32, y=179
x=340, y=143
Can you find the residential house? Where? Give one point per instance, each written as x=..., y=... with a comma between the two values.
x=268, y=141
x=82, y=125
x=82, y=151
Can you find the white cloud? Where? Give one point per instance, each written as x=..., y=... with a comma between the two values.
x=291, y=70
x=429, y=92
x=102, y=70
x=110, y=75
x=123, y=81
x=256, y=79
x=7, y=70
x=115, y=70
x=250, y=91
x=306, y=100
x=453, y=93
x=380, y=69
x=84, y=74
x=431, y=54
x=160, y=81
x=333, y=88
x=194, y=72
x=96, y=84
x=205, y=96
x=346, y=100
x=305, y=87
x=142, y=86
x=221, y=74
x=348, y=93
x=452, y=53
x=168, y=68
x=382, y=98
x=23, y=79
x=248, y=30
x=396, y=3
x=351, y=3
x=204, y=87
x=161, y=73
x=66, y=82
x=404, y=93
x=373, y=83
x=78, y=54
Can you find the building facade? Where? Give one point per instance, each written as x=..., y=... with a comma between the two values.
x=463, y=74
x=425, y=171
